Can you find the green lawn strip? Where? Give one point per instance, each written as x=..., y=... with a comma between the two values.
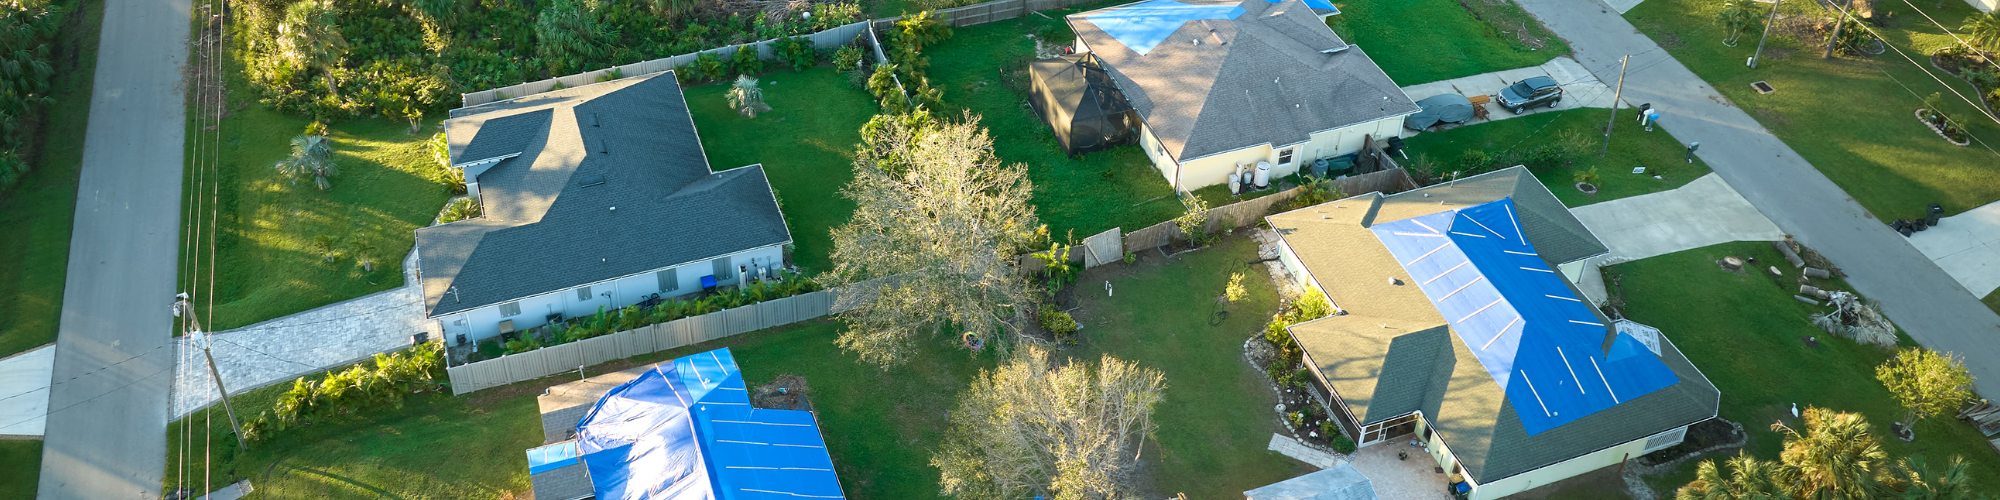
x=388, y=186
x=1631, y=146
x=879, y=426
x=23, y=472
x=1992, y=300
x=1745, y=333
x=806, y=143
x=1422, y=41
x=983, y=70
x=37, y=214
x=1216, y=420
x=1878, y=153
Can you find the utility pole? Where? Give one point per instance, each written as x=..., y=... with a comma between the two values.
x=1835, y=39
x=1623, y=63
x=204, y=339
x=1768, y=21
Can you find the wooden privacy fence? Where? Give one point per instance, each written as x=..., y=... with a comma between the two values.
x=678, y=333
x=1247, y=212
x=831, y=38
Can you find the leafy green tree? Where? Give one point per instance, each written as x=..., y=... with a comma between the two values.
x=932, y=243
x=1983, y=30
x=310, y=36
x=1836, y=458
x=1736, y=16
x=1194, y=222
x=312, y=156
x=921, y=30
x=569, y=35
x=1038, y=427
x=1749, y=479
x=1926, y=383
x=746, y=97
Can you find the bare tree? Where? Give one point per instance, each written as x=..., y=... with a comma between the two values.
x=1033, y=428
x=937, y=224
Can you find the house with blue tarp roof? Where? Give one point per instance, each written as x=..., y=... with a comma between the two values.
x=686, y=430
x=1462, y=329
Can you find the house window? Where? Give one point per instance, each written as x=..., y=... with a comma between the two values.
x=1665, y=439
x=670, y=280
x=583, y=293
x=510, y=309
x=1285, y=157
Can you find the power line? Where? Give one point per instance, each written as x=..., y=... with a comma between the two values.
x=1947, y=31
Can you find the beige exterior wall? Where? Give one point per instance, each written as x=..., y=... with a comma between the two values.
x=1561, y=470
x=1214, y=169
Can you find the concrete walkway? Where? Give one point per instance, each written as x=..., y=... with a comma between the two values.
x=106, y=433
x=1914, y=292
x=1702, y=213
x=1966, y=246
x=24, y=392
x=1298, y=451
x=282, y=349
x=1580, y=90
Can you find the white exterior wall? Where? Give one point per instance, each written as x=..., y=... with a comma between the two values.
x=1984, y=5
x=1561, y=470
x=483, y=323
x=1215, y=169
x=1573, y=270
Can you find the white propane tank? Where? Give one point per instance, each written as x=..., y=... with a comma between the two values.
x=1235, y=183
x=1263, y=179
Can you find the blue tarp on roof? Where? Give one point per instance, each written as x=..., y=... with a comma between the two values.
x=1539, y=342
x=1142, y=27
x=685, y=430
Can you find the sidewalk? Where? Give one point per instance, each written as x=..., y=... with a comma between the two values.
x=282, y=349
x=24, y=391
x=1916, y=294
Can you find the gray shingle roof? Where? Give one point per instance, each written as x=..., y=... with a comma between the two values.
x=1392, y=353
x=569, y=482
x=1269, y=81
x=659, y=205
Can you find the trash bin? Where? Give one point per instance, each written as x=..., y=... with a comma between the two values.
x=1319, y=168
x=1932, y=214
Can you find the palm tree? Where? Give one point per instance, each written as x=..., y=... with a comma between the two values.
x=746, y=98
x=323, y=245
x=362, y=249
x=1749, y=479
x=312, y=155
x=1912, y=479
x=310, y=35
x=1736, y=16
x=1984, y=30
x=1836, y=458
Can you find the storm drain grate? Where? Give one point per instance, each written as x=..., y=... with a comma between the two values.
x=1763, y=87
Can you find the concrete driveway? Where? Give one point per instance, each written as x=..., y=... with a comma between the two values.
x=1580, y=90
x=24, y=392
x=1702, y=213
x=107, y=435
x=1914, y=292
x=1967, y=247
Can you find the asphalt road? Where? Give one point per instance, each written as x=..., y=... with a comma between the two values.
x=1927, y=303
x=106, y=434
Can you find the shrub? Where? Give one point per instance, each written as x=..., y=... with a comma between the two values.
x=1235, y=291
x=1297, y=418
x=361, y=387
x=709, y=66
x=1057, y=322
x=1586, y=176
x=1313, y=305
x=1194, y=222
x=460, y=209
x=1473, y=162
x=796, y=52
x=848, y=58
x=1341, y=442
x=1131, y=257
x=1058, y=269
x=745, y=61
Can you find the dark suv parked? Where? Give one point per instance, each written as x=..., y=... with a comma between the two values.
x=1540, y=90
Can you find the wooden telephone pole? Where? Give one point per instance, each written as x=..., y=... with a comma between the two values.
x=1835, y=39
x=1773, y=18
x=1623, y=63
x=204, y=339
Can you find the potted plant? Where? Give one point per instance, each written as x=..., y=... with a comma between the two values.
x=1586, y=181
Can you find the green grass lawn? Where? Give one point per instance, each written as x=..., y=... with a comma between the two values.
x=388, y=186
x=983, y=70
x=23, y=467
x=1877, y=151
x=1631, y=146
x=1745, y=331
x=806, y=143
x=1216, y=420
x=879, y=426
x=36, y=214
x=1992, y=300
x=1421, y=41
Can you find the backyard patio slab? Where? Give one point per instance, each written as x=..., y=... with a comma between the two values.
x=1580, y=90
x=24, y=391
x=1412, y=479
x=1704, y=212
x=1967, y=247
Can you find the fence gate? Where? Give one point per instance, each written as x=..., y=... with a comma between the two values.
x=1104, y=248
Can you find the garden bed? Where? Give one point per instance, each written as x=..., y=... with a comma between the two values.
x=1940, y=131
